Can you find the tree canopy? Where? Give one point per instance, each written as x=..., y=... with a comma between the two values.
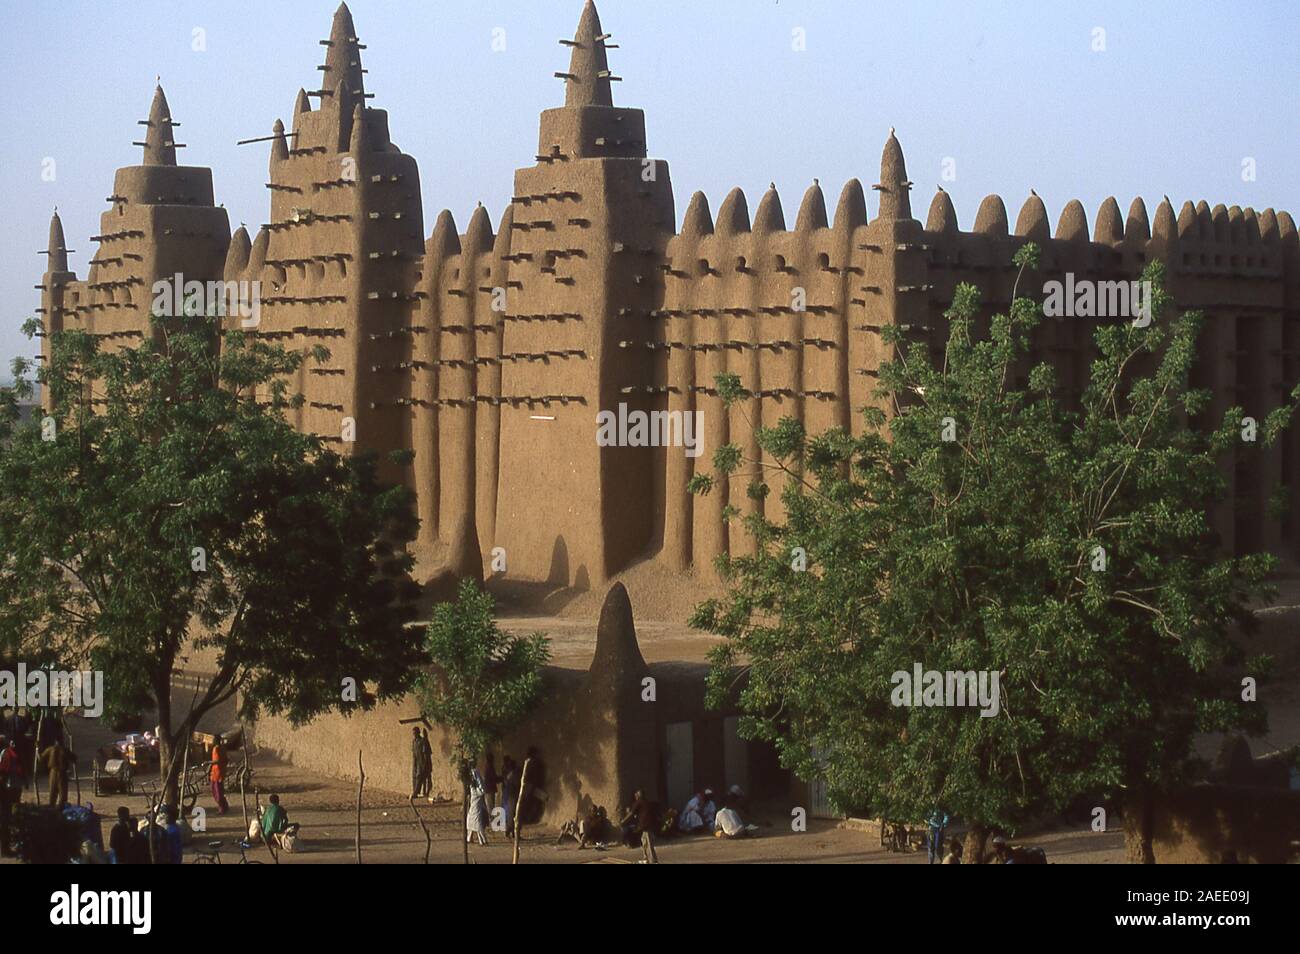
x=166, y=511
x=982, y=524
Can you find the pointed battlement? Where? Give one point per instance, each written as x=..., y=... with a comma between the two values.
x=894, y=186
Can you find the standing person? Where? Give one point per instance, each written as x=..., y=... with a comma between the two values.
x=938, y=823
x=644, y=817
x=217, y=775
x=491, y=780
x=426, y=752
x=417, y=763
x=11, y=789
x=476, y=820
x=21, y=737
x=509, y=791
x=55, y=758
x=119, y=839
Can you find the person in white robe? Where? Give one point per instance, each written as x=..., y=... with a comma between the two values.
x=476, y=819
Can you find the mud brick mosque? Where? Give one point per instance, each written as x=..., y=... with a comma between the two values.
x=490, y=352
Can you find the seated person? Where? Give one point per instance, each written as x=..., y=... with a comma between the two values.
x=275, y=823
x=668, y=826
x=729, y=824
x=171, y=838
x=593, y=828
x=699, y=812
x=953, y=857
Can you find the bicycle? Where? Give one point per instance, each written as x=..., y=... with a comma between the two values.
x=212, y=855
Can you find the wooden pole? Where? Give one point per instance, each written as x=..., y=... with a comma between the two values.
x=243, y=789
x=154, y=802
x=519, y=804
x=180, y=782
x=428, y=839
x=361, y=784
x=36, y=758
x=76, y=769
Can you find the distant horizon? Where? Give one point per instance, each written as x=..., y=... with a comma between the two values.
x=987, y=99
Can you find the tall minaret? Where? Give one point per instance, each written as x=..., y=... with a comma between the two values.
x=895, y=273
x=591, y=222
x=343, y=244
x=53, y=286
x=162, y=238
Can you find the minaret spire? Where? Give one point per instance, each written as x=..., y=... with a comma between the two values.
x=58, y=249
x=160, y=140
x=894, y=200
x=588, y=78
x=343, y=55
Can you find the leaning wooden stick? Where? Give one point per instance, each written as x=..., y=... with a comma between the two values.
x=243, y=789
x=361, y=784
x=428, y=839
x=519, y=805
x=180, y=783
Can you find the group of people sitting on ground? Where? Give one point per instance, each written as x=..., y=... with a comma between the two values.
x=643, y=822
x=1004, y=853
x=702, y=814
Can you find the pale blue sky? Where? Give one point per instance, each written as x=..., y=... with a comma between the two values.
x=1012, y=91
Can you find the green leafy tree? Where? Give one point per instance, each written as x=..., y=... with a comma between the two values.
x=977, y=524
x=482, y=683
x=174, y=522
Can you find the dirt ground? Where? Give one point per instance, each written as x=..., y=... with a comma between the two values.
x=326, y=809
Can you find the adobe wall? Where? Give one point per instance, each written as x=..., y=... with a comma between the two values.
x=1201, y=825
x=598, y=735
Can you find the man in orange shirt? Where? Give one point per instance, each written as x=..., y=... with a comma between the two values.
x=217, y=774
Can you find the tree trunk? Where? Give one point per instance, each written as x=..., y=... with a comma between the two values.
x=1139, y=826
x=976, y=842
x=167, y=742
